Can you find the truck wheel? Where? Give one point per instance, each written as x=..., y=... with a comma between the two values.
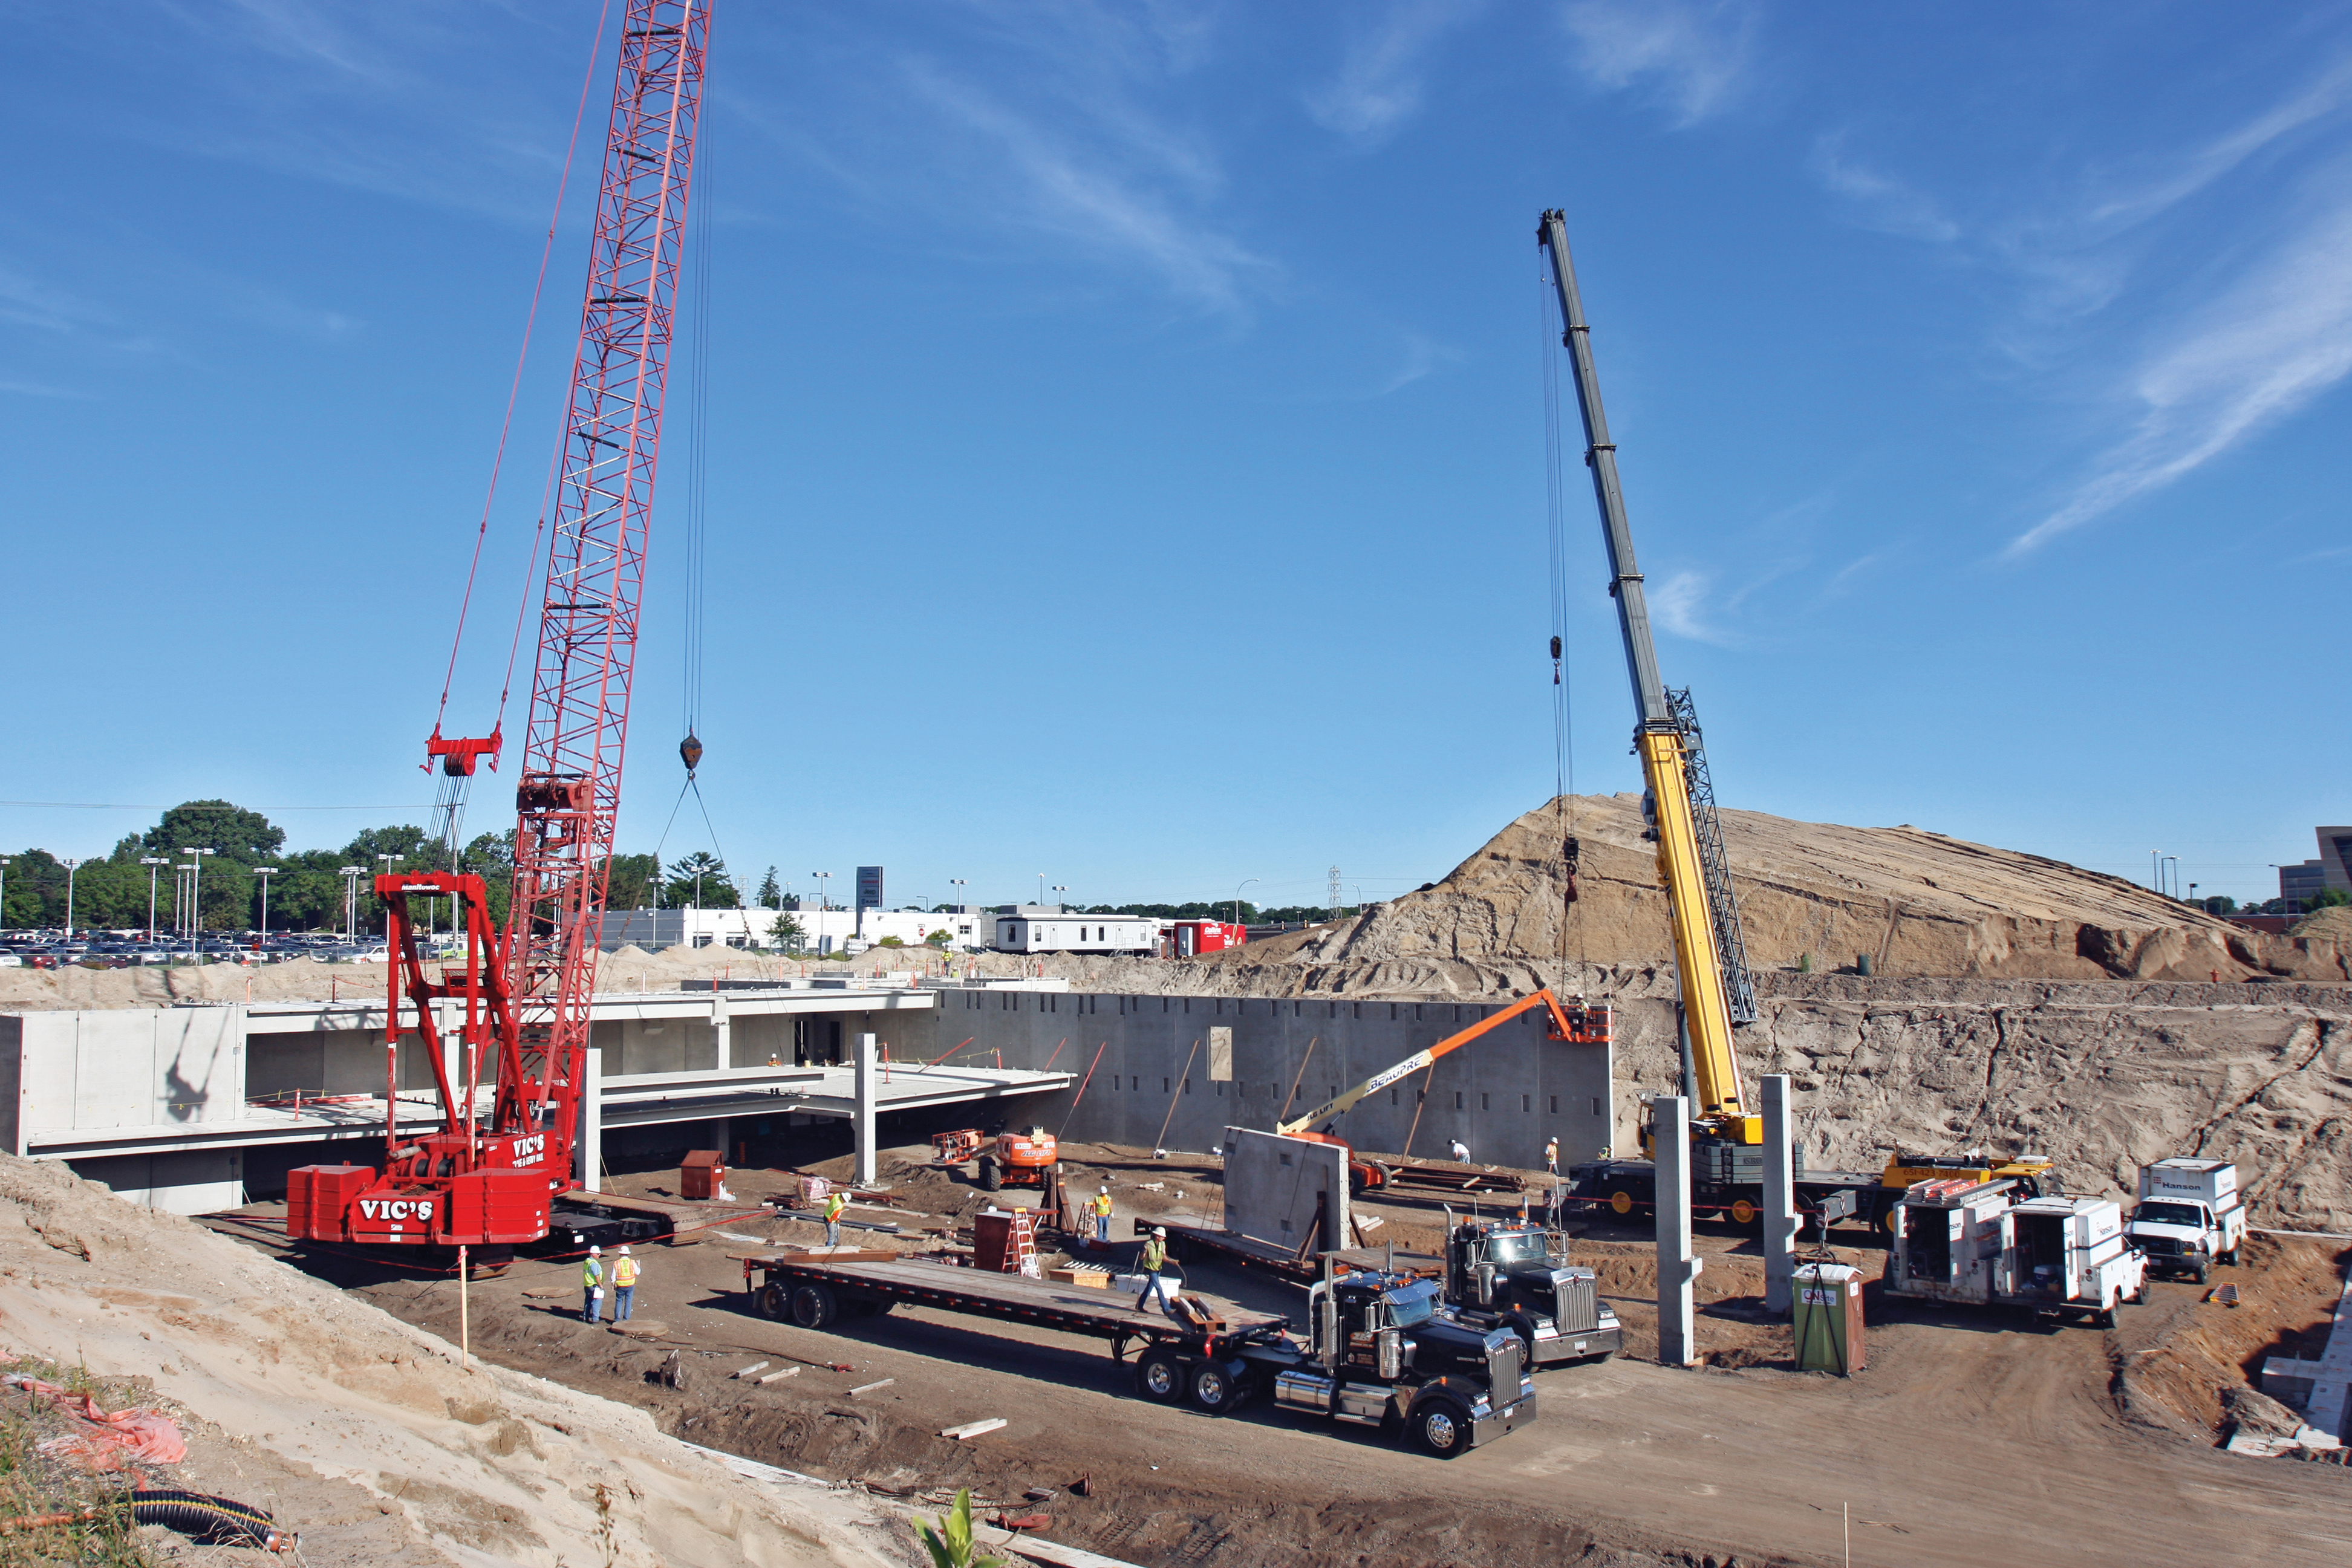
x=2199, y=1269
x=1441, y=1426
x=1214, y=1389
x=992, y=1175
x=1160, y=1375
x=772, y=1300
x=814, y=1306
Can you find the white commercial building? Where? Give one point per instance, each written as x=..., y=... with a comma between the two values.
x=823, y=931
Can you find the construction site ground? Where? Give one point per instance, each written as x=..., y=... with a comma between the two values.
x=1972, y=1438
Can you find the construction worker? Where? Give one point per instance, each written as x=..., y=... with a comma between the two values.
x=624, y=1285
x=834, y=1202
x=1460, y=1151
x=592, y=1285
x=1154, y=1259
x=1102, y=1213
x=1551, y=1154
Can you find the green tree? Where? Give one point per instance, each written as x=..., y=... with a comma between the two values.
x=701, y=878
x=2219, y=903
x=2327, y=898
x=771, y=893
x=630, y=881
x=247, y=837
x=788, y=933
x=938, y=939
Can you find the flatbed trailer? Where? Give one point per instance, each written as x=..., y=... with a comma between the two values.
x=611, y=1219
x=1379, y=1350
x=1628, y=1188
x=1195, y=1243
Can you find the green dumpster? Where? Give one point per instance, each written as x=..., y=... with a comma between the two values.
x=1827, y=1303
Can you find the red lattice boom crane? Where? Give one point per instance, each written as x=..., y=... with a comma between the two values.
x=522, y=992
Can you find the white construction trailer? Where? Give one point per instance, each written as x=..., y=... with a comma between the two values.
x=1027, y=929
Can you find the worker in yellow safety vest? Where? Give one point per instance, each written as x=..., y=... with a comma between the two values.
x=624, y=1285
x=1102, y=1213
x=836, y=1201
x=1153, y=1259
x=592, y=1285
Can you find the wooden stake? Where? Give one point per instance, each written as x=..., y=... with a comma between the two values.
x=464, y=1318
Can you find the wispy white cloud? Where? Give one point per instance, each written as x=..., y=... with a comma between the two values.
x=1067, y=184
x=2278, y=338
x=29, y=302
x=1882, y=201
x=1679, y=604
x=1382, y=76
x=1693, y=53
x=2134, y=204
x=39, y=389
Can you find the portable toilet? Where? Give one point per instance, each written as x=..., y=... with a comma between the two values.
x=1827, y=1303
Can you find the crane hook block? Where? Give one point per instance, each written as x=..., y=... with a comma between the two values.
x=690, y=751
x=458, y=757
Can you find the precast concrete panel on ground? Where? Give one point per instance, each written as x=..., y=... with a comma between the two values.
x=1275, y=1186
x=1149, y=1058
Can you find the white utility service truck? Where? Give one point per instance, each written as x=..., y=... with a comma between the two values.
x=1980, y=1244
x=2189, y=1217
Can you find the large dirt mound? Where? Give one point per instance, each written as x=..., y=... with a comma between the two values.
x=479, y=1467
x=1915, y=903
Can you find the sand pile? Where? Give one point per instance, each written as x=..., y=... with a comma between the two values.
x=1916, y=903
x=2332, y=925
x=366, y=1422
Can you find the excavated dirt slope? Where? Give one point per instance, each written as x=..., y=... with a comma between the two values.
x=362, y=1433
x=1912, y=902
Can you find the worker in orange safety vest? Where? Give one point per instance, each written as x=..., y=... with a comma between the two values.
x=624, y=1285
x=1102, y=1213
x=836, y=1201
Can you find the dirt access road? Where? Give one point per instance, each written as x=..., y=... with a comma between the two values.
x=1968, y=1440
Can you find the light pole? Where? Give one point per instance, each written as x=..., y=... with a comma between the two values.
x=1041, y=890
x=4, y=888
x=388, y=860
x=1059, y=903
x=1237, y=901
x=352, y=874
x=196, y=898
x=71, y=866
x=265, y=872
x=155, y=864
x=958, y=882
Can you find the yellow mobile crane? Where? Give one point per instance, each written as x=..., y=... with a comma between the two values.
x=1727, y=1159
x=1679, y=799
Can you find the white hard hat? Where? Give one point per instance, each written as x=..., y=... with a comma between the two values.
x=1159, y=1231
x=594, y=1252
x=625, y=1251
x=1105, y=1187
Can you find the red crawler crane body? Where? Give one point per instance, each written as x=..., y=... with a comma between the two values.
x=523, y=992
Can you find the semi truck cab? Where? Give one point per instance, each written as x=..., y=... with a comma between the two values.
x=1502, y=1274
x=1382, y=1352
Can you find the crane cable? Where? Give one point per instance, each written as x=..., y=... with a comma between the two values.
x=698, y=455
x=1556, y=526
x=514, y=390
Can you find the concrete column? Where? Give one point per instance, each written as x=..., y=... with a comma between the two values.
x=1779, y=1195
x=722, y=1033
x=1678, y=1268
x=588, y=1147
x=861, y=1125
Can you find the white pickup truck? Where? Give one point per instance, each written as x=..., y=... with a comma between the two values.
x=2189, y=1217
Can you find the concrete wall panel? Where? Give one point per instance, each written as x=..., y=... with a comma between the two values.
x=1275, y=1185
x=1503, y=1094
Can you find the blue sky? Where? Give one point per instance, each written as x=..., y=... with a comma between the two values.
x=1124, y=454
